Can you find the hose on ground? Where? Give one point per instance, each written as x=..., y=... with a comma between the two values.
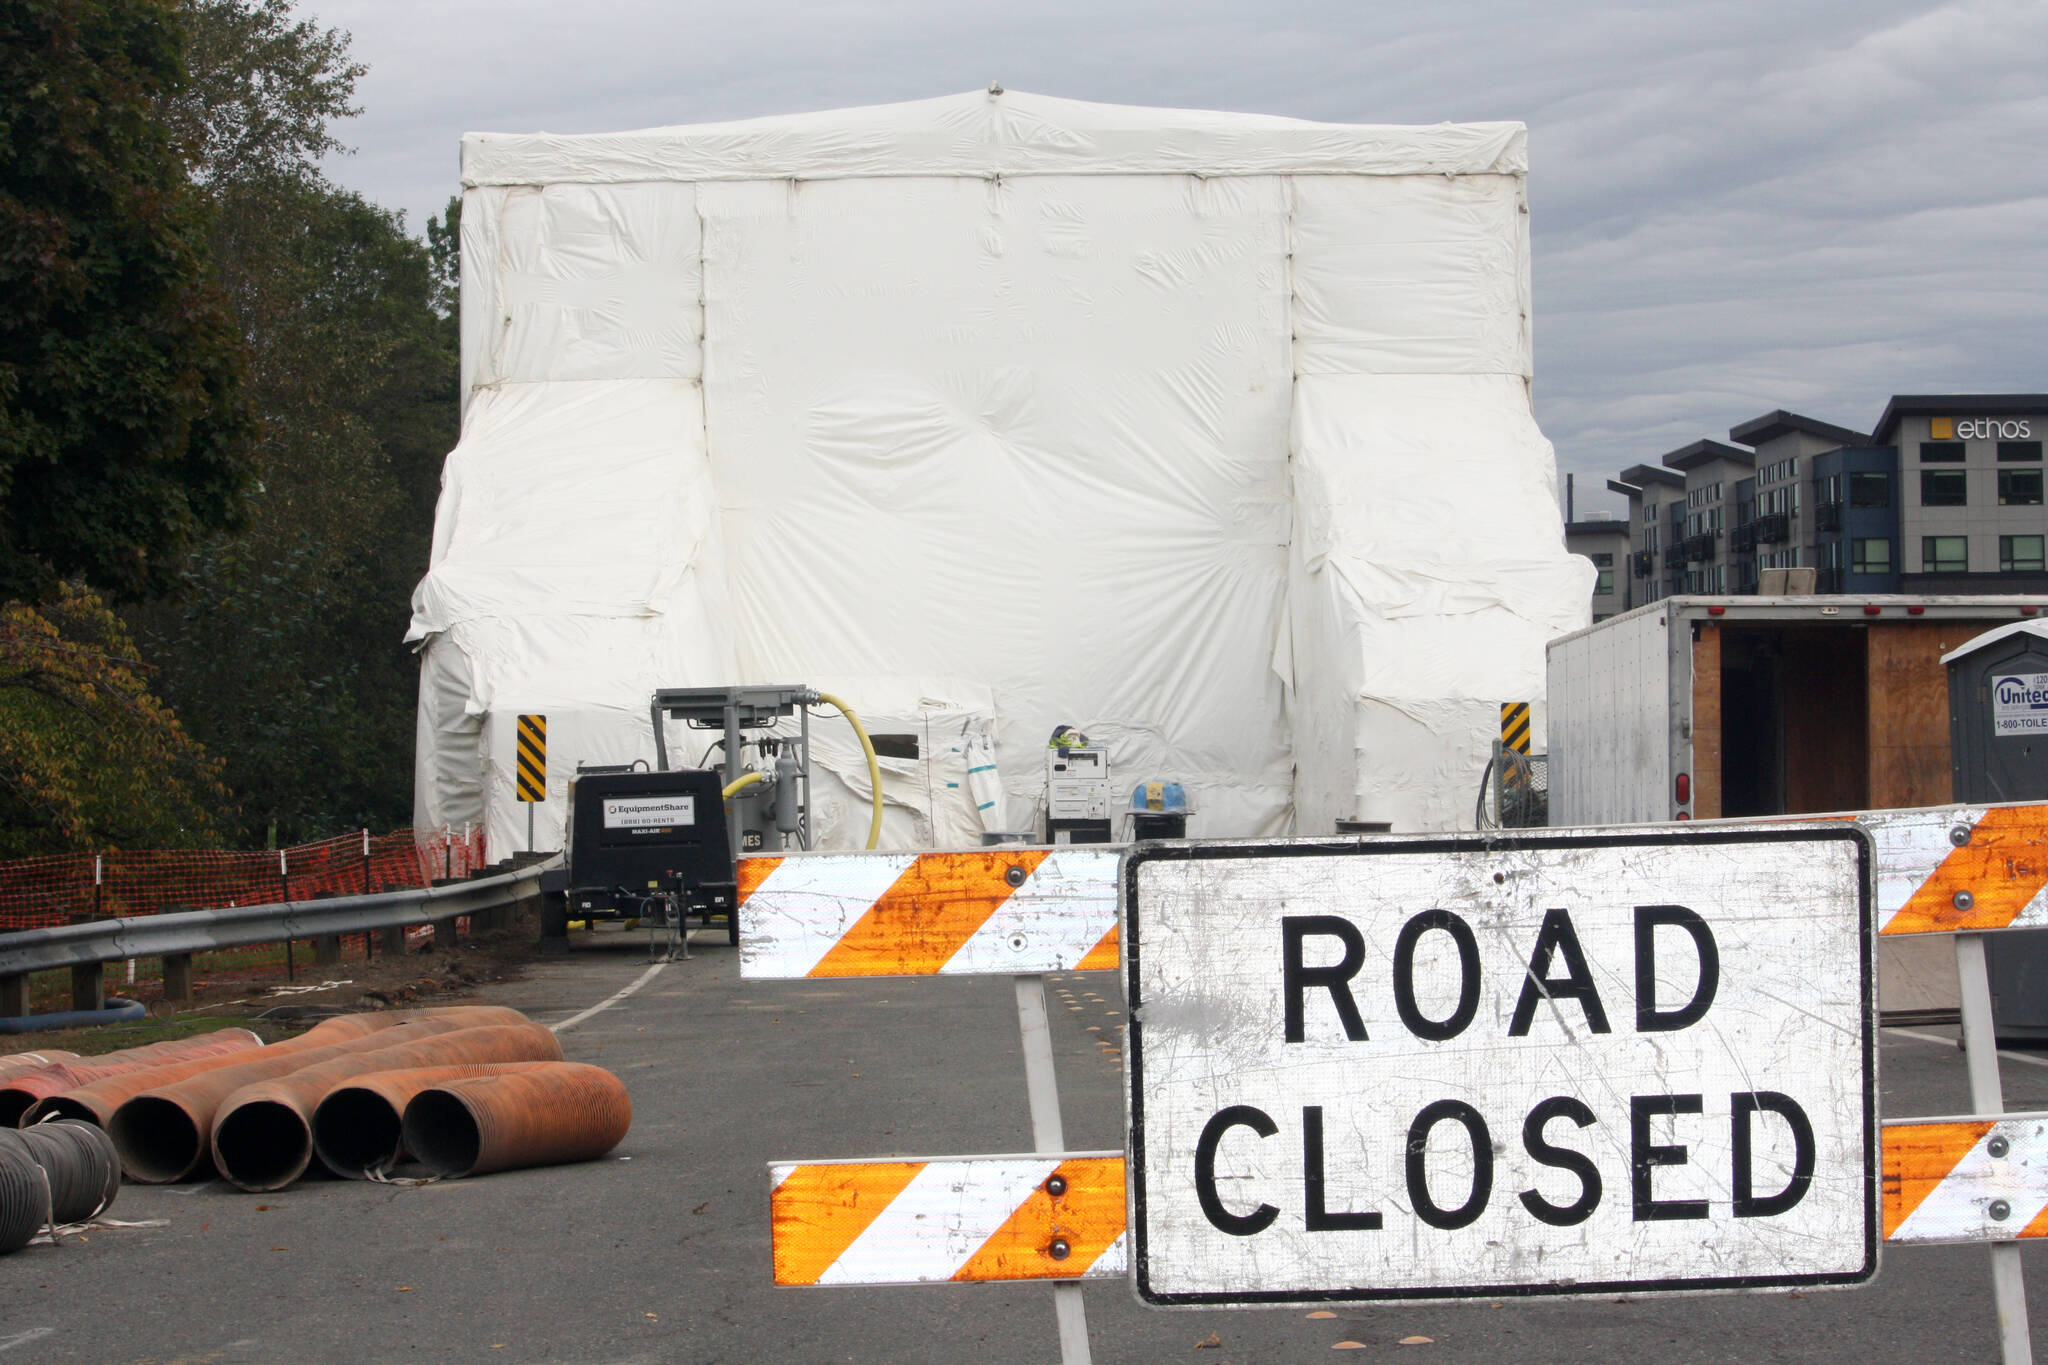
x=867, y=747
x=117, y=1011
x=79, y=1162
x=24, y=1197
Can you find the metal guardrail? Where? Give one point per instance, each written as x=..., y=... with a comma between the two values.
x=197, y=931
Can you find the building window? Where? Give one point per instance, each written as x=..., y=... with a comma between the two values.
x=1870, y=556
x=2018, y=553
x=1941, y=452
x=2019, y=488
x=1944, y=554
x=1943, y=488
x=1870, y=489
x=1604, y=562
x=2010, y=452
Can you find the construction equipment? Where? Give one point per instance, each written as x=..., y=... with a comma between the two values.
x=662, y=845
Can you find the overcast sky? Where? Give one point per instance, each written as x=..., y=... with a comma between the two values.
x=1736, y=207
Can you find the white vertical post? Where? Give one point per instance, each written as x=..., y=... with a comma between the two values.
x=1987, y=1097
x=1048, y=1136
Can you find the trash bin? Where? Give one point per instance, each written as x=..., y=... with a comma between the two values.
x=1998, y=751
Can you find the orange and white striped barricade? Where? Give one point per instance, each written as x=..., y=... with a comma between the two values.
x=1968, y=871
x=1010, y=911
x=1964, y=870
x=957, y=1221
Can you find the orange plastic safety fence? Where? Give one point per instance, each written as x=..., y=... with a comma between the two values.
x=72, y=888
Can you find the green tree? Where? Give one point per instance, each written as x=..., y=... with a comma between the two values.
x=283, y=650
x=88, y=757
x=262, y=91
x=122, y=420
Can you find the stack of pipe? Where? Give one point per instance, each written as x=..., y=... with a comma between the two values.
x=463, y=1089
x=26, y=1085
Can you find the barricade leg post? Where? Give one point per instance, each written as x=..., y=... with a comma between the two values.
x=1987, y=1096
x=1047, y=1135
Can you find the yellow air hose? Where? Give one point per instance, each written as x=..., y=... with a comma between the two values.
x=874, y=768
x=741, y=783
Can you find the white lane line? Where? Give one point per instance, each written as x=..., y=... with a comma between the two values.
x=24, y=1338
x=1951, y=1043
x=573, y=1020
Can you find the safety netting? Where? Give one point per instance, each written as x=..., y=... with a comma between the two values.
x=75, y=888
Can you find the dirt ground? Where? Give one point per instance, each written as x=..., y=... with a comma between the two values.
x=427, y=974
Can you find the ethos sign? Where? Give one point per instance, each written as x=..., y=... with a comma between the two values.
x=1981, y=429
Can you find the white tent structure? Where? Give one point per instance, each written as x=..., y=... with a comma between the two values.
x=1207, y=433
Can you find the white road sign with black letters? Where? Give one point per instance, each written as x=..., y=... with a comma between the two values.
x=1556, y=1062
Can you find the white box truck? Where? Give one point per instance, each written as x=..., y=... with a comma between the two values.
x=1703, y=707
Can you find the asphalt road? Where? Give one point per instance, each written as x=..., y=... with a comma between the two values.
x=660, y=1251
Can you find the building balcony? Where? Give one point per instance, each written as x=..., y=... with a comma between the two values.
x=1697, y=549
x=1827, y=516
x=1774, y=529
x=1742, y=539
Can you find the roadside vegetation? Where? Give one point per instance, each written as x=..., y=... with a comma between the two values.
x=226, y=386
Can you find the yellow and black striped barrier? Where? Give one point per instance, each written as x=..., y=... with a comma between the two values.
x=1514, y=737
x=531, y=780
x=1514, y=726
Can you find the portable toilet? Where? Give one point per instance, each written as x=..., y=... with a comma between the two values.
x=1998, y=751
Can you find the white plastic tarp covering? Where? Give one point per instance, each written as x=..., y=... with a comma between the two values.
x=1206, y=433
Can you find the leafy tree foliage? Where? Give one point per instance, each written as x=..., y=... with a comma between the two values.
x=122, y=420
x=88, y=757
x=263, y=89
x=283, y=649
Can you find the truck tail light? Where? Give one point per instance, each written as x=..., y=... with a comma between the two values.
x=1681, y=788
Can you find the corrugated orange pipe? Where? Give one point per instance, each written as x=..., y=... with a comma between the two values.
x=161, y=1132
x=359, y=1127
x=25, y=1089
x=565, y=1111
x=17, y=1062
x=96, y=1100
x=263, y=1133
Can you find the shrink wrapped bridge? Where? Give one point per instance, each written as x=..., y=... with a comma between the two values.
x=1209, y=433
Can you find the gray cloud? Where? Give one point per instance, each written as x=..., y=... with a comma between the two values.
x=1735, y=207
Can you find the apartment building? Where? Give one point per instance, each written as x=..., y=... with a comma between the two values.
x=1605, y=541
x=1943, y=495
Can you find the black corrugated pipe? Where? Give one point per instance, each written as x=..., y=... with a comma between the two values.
x=24, y=1197
x=80, y=1162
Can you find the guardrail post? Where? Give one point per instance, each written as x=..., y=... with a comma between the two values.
x=88, y=980
x=89, y=986
x=13, y=995
x=327, y=950
x=391, y=942
x=178, y=976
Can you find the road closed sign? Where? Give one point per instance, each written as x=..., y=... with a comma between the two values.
x=1555, y=1063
